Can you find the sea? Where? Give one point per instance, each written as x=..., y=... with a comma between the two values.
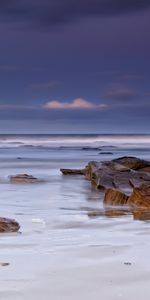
x=54, y=213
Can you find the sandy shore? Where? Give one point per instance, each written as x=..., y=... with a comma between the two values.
x=100, y=272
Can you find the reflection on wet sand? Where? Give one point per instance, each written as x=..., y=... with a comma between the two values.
x=138, y=214
x=109, y=212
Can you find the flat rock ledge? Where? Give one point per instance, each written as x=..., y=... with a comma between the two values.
x=23, y=178
x=8, y=225
x=125, y=182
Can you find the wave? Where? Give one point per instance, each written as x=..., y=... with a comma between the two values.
x=82, y=142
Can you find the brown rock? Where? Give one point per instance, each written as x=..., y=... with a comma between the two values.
x=132, y=162
x=92, y=170
x=111, y=174
x=146, y=169
x=4, y=264
x=72, y=171
x=141, y=214
x=114, y=166
x=104, y=181
x=8, y=225
x=141, y=196
x=23, y=178
x=115, y=197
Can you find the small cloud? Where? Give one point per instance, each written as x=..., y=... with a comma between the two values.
x=78, y=103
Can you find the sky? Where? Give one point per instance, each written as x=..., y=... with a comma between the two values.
x=74, y=66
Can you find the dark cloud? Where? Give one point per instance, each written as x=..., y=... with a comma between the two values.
x=55, y=12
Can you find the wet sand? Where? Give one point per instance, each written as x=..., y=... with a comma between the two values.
x=97, y=272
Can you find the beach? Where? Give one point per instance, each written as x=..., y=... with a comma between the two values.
x=60, y=252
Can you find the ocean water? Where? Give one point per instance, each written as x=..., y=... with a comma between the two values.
x=54, y=214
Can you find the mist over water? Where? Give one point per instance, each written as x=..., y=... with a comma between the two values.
x=75, y=140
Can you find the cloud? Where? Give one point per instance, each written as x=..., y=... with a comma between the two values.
x=120, y=93
x=78, y=103
x=55, y=12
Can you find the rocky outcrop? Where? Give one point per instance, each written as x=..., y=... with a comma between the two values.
x=8, y=225
x=111, y=174
x=125, y=182
x=23, y=178
x=72, y=171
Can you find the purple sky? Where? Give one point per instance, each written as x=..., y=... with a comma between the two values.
x=72, y=66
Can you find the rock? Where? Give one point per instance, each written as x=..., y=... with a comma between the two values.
x=110, y=174
x=72, y=171
x=114, y=166
x=126, y=181
x=23, y=178
x=127, y=263
x=4, y=264
x=106, y=153
x=141, y=214
x=146, y=169
x=115, y=197
x=90, y=148
x=132, y=162
x=137, y=179
x=92, y=170
x=8, y=225
x=134, y=182
x=105, y=181
x=140, y=197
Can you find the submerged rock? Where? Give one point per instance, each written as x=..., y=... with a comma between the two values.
x=4, y=264
x=8, y=225
x=23, y=178
x=91, y=148
x=106, y=153
x=72, y=171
